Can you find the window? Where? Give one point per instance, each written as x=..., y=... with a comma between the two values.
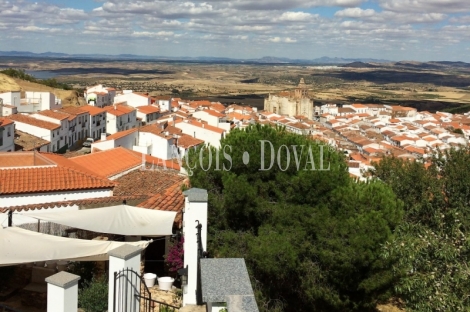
x=1, y=136
x=9, y=132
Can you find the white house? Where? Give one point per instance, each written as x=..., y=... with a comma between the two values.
x=78, y=122
x=210, y=134
x=133, y=99
x=148, y=113
x=213, y=118
x=59, y=118
x=12, y=98
x=120, y=117
x=100, y=96
x=154, y=142
x=7, y=135
x=164, y=103
x=127, y=139
x=37, y=101
x=96, y=122
x=40, y=128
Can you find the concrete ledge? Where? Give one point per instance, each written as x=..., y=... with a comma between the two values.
x=125, y=252
x=196, y=195
x=63, y=279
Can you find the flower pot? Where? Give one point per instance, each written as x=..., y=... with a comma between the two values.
x=149, y=279
x=165, y=283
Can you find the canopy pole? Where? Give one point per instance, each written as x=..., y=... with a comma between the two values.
x=39, y=225
x=10, y=218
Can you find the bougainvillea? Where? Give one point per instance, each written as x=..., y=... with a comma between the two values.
x=174, y=260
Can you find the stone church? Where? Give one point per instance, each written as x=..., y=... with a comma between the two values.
x=296, y=103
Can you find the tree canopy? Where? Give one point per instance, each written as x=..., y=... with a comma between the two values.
x=430, y=249
x=311, y=236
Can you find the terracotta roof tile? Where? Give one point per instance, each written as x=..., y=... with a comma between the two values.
x=54, y=114
x=92, y=110
x=34, y=122
x=204, y=125
x=186, y=141
x=118, y=109
x=48, y=179
x=119, y=134
x=73, y=110
x=148, y=109
x=5, y=122
x=110, y=162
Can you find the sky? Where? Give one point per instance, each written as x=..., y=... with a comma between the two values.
x=419, y=30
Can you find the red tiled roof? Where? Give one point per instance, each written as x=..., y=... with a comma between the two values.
x=154, y=161
x=203, y=125
x=186, y=141
x=119, y=135
x=54, y=114
x=173, y=130
x=118, y=109
x=214, y=113
x=92, y=110
x=170, y=200
x=73, y=110
x=148, y=109
x=154, y=130
x=48, y=179
x=34, y=122
x=110, y=162
x=5, y=122
x=217, y=107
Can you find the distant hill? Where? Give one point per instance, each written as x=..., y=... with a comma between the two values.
x=359, y=65
x=417, y=65
x=262, y=60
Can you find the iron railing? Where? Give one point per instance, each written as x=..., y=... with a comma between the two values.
x=157, y=306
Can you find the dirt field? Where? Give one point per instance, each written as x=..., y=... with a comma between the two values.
x=449, y=87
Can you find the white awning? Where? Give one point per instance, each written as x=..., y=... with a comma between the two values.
x=121, y=220
x=22, y=246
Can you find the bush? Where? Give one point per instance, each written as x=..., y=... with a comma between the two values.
x=94, y=295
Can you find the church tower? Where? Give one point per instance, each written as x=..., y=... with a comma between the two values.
x=301, y=92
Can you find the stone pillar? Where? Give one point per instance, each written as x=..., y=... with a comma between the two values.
x=195, y=208
x=124, y=257
x=62, y=292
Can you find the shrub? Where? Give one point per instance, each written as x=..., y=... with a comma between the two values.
x=174, y=259
x=94, y=295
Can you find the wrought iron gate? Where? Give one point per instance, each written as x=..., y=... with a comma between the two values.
x=131, y=294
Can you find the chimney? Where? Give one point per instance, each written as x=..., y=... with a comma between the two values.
x=203, y=125
x=103, y=136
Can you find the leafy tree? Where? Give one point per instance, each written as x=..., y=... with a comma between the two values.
x=311, y=238
x=430, y=250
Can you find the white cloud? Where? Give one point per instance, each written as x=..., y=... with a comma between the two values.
x=426, y=6
x=355, y=12
x=296, y=16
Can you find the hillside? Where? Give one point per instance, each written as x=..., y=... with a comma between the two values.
x=68, y=97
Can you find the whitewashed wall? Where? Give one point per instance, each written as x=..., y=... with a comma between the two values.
x=8, y=141
x=42, y=133
x=210, y=137
x=132, y=99
x=203, y=115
